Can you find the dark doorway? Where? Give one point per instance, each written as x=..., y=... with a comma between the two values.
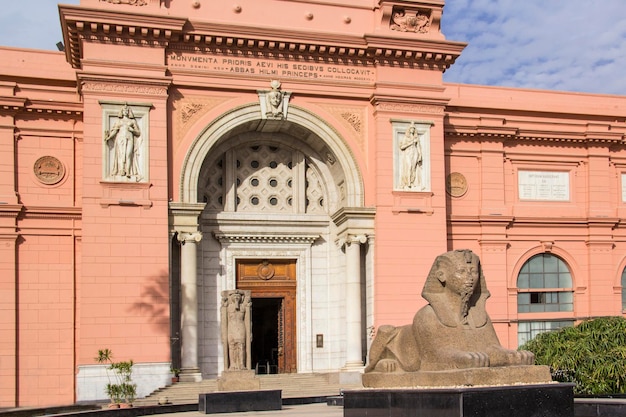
x=266, y=324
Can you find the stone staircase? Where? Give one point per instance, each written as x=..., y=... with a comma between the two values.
x=292, y=386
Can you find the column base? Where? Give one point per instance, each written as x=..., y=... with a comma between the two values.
x=356, y=366
x=190, y=375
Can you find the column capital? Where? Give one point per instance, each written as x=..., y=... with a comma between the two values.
x=359, y=239
x=184, y=237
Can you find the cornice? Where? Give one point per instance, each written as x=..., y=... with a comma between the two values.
x=182, y=34
x=10, y=210
x=16, y=105
x=114, y=27
x=265, y=238
x=74, y=213
x=492, y=133
x=12, y=104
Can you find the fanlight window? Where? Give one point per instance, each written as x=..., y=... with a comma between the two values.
x=544, y=285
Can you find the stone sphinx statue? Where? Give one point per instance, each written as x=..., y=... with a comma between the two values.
x=453, y=332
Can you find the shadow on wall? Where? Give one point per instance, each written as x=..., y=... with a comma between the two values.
x=154, y=303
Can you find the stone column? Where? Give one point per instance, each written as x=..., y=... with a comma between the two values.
x=354, y=349
x=190, y=371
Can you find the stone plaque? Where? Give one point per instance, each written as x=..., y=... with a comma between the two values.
x=49, y=170
x=456, y=184
x=543, y=185
x=624, y=188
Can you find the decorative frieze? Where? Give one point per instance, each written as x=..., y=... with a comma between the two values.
x=265, y=238
x=129, y=2
x=123, y=88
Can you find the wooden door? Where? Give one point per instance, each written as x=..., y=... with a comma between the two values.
x=276, y=279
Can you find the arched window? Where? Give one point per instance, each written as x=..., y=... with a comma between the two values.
x=624, y=290
x=544, y=285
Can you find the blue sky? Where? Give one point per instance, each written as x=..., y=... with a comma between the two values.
x=571, y=45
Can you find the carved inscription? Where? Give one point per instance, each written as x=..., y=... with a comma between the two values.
x=543, y=185
x=274, y=68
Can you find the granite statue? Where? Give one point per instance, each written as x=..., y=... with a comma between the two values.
x=452, y=332
x=236, y=329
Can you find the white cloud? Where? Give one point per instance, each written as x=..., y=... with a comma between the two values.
x=573, y=45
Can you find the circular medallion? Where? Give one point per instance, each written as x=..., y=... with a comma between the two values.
x=49, y=170
x=456, y=184
x=265, y=271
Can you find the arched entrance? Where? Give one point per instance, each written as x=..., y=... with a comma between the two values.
x=267, y=193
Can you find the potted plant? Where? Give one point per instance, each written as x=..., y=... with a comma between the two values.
x=120, y=388
x=175, y=375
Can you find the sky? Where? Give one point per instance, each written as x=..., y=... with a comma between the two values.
x=569, y=45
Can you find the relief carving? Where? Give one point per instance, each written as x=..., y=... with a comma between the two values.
x=124, y=137
x=186, y=111
x=354, y=120
x=412, y=156
x=274, y=103
x=125, y=154
x=49, y=170
x=129, y=2
x=410, y=21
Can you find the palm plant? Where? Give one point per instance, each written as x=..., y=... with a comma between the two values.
x=123, y=389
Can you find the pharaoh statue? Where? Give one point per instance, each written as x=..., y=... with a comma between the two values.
x=452, y=332
x=125, y=134
x=236, y=330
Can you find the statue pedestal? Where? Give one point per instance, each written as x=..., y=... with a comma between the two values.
x=238, y=381
x=505, y=375
x=539, y=400
x=238, y=401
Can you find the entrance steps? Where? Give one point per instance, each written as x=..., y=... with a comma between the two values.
x=292, y=386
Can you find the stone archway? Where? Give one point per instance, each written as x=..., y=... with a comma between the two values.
x=229, y=235
x=299, y=123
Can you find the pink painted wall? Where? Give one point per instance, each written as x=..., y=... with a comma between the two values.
x=81, y=272
x=40, y=224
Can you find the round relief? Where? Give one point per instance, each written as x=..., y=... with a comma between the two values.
x=265, y=271
x=49, y=170
x=456, y=184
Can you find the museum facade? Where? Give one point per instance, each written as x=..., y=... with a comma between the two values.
x=306, y=151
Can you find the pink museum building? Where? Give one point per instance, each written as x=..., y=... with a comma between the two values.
x=306, y=150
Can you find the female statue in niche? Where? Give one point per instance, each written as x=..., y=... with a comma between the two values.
x=125, y=133
x=411, y=160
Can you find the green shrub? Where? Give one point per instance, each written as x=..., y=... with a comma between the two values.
x=592, y=355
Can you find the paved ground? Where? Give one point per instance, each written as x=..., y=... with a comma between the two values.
x=307, y=410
